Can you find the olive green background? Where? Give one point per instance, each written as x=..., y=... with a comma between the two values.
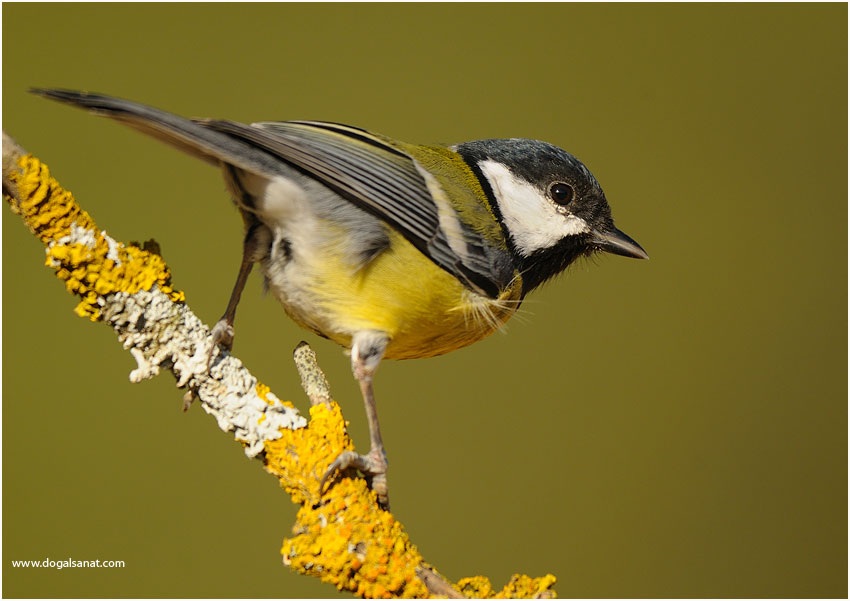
x=673, y=427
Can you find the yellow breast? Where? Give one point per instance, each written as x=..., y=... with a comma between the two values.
x=424, y=310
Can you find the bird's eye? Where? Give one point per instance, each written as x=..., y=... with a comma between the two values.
x=561, y=193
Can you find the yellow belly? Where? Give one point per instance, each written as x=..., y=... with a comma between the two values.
x=424, y=310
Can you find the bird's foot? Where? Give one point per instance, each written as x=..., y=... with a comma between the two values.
x=222, y=337
x=372, y=465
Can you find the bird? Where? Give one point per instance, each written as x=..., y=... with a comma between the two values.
x=392, y=250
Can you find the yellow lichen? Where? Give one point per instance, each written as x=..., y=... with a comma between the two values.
x=342, y=537
x=349, y=542
x=301, y=457
x=526, y=587
x=476, y=587
x=519, y=587
x=88, y=268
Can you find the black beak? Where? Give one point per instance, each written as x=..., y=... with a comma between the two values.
x=616, y=242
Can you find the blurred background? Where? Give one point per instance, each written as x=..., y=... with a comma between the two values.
x=668, y=428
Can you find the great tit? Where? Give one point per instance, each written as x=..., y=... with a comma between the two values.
x=392, y=250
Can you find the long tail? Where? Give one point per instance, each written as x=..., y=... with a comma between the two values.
x=189, y=135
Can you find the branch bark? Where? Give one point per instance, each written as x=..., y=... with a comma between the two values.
x=342, y=536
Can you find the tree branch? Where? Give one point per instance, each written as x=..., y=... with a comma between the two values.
x=341, y=537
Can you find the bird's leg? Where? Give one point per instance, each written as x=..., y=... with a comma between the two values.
x=222, y=332
x=254, y=248
x=367, y=349
x=376, y=464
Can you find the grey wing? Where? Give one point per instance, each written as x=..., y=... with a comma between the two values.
x=359, y=166
x=386, y=182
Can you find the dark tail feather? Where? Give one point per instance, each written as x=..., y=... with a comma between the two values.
x=188, y=135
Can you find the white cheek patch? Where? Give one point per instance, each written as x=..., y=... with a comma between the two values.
x=532, y=219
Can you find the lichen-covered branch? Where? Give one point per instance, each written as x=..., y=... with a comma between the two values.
x=340, y=536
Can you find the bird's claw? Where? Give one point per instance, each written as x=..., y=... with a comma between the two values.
x=222, y=337
x=372, y=465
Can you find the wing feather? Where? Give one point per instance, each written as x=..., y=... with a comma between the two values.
x=381, y=179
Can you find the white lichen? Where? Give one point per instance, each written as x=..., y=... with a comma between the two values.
x=162, y=334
